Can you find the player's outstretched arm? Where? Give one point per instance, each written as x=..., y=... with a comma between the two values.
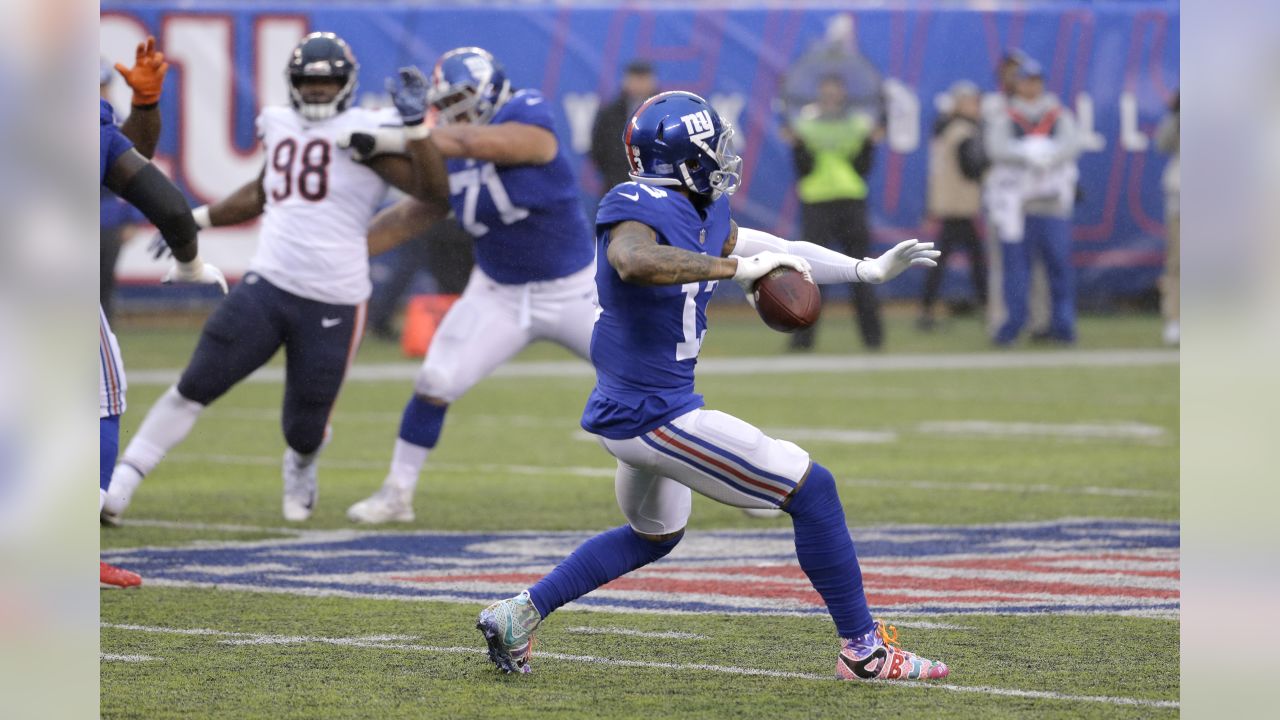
x=143, y=185
x=146, y=79
x=635, y=253
x=241, y=206
x=509, y=143
x=425, y=176
x=829, y=266
x=399, y=222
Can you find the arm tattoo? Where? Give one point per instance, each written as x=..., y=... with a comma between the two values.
x=635, y=253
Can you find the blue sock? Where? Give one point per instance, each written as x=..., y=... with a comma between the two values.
x=108, y=446
x=609, y=555
x=826, y=553
x=422, y=422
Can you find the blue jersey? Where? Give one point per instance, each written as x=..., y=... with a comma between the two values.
x=646, y=339
x=527, y=220
x=111, y=142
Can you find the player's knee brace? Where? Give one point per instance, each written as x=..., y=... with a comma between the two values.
x=435, y=385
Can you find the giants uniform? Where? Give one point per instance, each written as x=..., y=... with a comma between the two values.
x=533, y=278
x=308, y=280
x=111, y=383
x=644, y=409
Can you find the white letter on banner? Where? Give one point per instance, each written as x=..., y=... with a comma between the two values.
x=904, y=117
x=1131, y=137
x=580, y=109
x=1090, y=140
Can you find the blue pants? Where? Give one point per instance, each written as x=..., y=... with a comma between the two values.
x=249, y=326
x=1050, y=237
x=108, y=446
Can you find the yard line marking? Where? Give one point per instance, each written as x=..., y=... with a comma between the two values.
x=376, y=644
x=768, y=365
x=1069, y=431
x=586, y=471
x=668, y=635
x=112, y=657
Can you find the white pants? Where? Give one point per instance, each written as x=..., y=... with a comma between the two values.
x=492, y=322
x=718, y=455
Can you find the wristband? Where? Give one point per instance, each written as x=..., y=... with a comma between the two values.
x=417, y=132
x=201, y=216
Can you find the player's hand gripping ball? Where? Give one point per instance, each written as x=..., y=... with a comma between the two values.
x=787, y=300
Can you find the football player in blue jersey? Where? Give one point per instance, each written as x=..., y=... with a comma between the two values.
x=126, y=171
x=511, y=184
x=664, y=241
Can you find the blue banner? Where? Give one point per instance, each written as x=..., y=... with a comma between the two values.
x=1114, y=64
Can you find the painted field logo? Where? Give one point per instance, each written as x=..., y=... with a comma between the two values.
x=1071, y=566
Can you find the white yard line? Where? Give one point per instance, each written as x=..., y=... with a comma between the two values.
x=378, y=643
x=112, y=657
x=775, y=365
x=669, y=635
x=601, y=472
x=1071, y=431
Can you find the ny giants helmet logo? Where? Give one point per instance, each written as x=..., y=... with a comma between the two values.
x=699, y=127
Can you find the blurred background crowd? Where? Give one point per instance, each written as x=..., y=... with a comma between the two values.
x=1036, y=143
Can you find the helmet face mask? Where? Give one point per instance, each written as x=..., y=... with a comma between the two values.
x=678, y=139
x=321, y=57
x=468, y=86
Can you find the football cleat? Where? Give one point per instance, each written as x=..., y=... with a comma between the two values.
x=300, y=488
x=508, y=627
x=876, y=656
x=117, y=577
x=125, y=480
x=389, y=504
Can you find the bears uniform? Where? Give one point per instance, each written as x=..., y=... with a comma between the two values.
x=306, y=285
x=533, y=279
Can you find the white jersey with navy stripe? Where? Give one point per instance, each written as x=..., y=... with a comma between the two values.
x=111, y=381
x=319, y=202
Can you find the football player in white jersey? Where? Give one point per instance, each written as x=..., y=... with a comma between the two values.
x=306, y=285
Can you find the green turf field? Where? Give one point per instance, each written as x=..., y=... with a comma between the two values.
x=939, y=446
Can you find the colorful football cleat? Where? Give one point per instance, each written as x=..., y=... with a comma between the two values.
x=117, y=577
x=876, y=656
x=508, y=627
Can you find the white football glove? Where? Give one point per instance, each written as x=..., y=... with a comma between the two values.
x=196, y=271
x=365, y=144
x=908, y=253
x=751, y=269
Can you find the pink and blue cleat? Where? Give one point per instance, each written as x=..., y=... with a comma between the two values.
x=876, y=656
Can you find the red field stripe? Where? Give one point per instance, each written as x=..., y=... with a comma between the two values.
x=1036, y=565
x=1015, y=586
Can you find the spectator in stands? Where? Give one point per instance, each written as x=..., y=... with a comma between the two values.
x=639, y=83
x=995, y=107
x=118, y=221
x=1031, y=196
x=1168, y=142
x=957, y=160
x=833, y=148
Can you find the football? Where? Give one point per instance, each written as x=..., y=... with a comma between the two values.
x=786, y=301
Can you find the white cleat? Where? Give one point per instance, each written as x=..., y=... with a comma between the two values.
x=124, y=482
x=389, y=504
x=301, y=488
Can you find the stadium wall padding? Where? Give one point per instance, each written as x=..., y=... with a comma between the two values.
x=1119, y=60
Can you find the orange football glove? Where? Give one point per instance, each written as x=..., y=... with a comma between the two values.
x=146, y=77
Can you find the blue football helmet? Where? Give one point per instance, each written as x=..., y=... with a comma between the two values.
x=468, y=85
x=677, y=138
x=322, y=55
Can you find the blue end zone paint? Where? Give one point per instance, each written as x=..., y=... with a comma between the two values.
x=1067, y=566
